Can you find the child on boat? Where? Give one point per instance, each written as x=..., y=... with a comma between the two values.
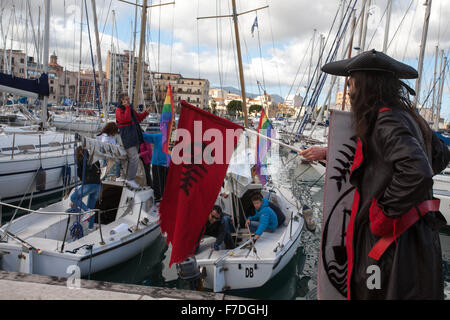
x=265, y=218
x=108, y=135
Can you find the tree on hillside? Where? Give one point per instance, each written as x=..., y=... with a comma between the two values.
x=213, y=106
x=255, y=108
x=233, y=107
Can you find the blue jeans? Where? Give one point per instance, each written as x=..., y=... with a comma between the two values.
x=90, y=190
x=253, y=226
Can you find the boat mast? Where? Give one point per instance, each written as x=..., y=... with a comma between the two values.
x=386, y=28
x=99, y=61
x=238, y=48
x=241, y=70
x=422, y=50
x=349, y=56
x=132, y=55
x=433, y=102
x=79, y=62
x=45, y=58
x=138, y=89
x=361, y=26
x=311, y=57
x=364, y=34
x=334, y=78
x=26, y=40
x=441, y=89
x=111, y=64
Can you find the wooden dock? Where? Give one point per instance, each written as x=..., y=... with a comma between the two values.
x=22, y=286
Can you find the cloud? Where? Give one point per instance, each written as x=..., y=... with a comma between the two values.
x=207, y=47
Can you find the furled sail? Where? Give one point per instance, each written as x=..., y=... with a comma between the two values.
x=24, y=87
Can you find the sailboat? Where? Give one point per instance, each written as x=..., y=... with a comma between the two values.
x=251, y=263
x=55, y=240
x=34, y=161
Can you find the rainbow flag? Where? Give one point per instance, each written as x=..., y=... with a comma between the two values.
x=167, y=120
x=263, y=146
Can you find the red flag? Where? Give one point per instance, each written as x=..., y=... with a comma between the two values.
x=200, y=158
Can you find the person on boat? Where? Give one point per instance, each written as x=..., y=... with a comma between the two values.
x=108, y=135
x=160, y=163
x=89, y=175
x=393, y=246
x=218, y=226
x=145, y=154
x=131, y=133
x=265, y=219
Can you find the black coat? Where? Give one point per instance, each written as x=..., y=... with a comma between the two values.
x=92, y=172
x=129, y=128
x=396, y=171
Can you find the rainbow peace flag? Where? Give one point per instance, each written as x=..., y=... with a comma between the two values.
x=263, y=146
x=167, y=120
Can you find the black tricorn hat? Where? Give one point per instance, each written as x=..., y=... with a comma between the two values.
x=370, y=61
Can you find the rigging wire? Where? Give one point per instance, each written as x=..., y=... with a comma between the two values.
x=260, y=55
x=376, y=29
x=159, y=33
x=250, y=74
x=273, y=47
x=298, y=71
x=331, y=55
x=198, y=40
x=410, y=29
x=171, y=40
x=218, y=46
x=400, y=24
x=233, y=45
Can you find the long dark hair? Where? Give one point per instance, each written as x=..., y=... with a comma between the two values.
x=374, y=90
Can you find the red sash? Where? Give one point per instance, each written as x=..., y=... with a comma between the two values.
x=402, y=224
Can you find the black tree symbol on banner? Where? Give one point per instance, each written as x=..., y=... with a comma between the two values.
x=336, y=267
x=346, y=164
x=193, y=172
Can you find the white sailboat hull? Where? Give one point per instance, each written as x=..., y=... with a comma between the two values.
x=244, y=269
x=47, y=233
x=441, y=190
x=18, y=167
x=78, y=125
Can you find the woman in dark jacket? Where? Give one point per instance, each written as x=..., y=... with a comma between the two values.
x=392, y=239
x=131, y=134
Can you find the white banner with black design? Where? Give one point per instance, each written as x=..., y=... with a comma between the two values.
x=337, y=205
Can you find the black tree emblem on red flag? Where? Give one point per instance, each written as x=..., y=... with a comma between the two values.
x=195, y=170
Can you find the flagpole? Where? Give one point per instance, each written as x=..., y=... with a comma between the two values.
x=274, y=140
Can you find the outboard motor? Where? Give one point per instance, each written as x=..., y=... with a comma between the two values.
x=189, y=274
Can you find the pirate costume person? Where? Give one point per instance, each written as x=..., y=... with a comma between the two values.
x=395, y=219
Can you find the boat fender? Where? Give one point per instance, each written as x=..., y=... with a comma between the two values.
x=40, y=179
x=256, y=266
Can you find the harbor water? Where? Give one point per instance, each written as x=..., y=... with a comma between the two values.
x=297, y=281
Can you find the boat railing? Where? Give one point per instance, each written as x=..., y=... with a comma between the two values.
x=27, y=148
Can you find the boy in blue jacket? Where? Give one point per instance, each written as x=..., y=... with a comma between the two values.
x=160, y=163
x=264, y=219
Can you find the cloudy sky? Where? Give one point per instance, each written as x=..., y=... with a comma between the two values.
x=277, y=56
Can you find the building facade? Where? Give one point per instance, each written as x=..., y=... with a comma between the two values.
x=81, y=86
x=155, y=84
